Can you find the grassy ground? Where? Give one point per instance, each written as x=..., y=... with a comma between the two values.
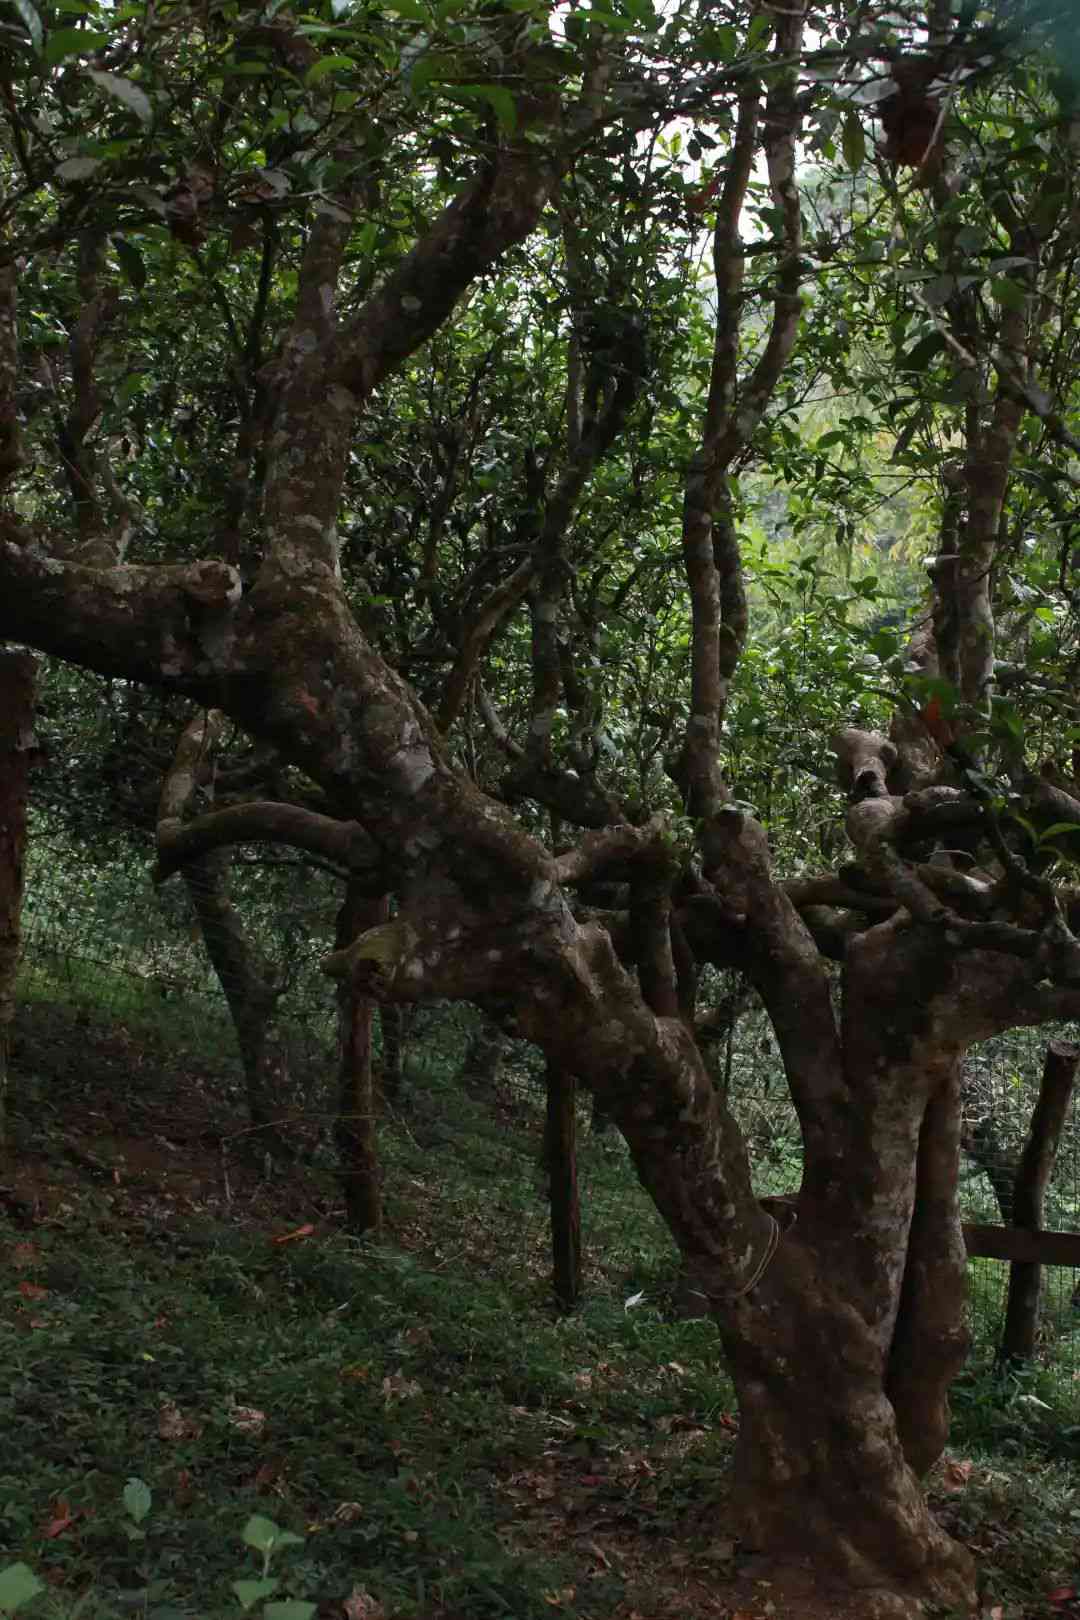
x=441, y=1442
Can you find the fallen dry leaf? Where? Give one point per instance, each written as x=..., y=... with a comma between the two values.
x=360, y=1605
x=173, y=1425
x=347, y=1513
x=956, y=1475
x=292, y=1237
x=269, y=1476
x=63, y=1518
x=248, y=1419
x=395, y=1386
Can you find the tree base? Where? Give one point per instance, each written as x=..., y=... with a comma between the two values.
x=796, y=1592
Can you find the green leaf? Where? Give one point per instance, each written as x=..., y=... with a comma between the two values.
x=77, y=168
x=758, y=32
x=37, y=34
x=249, y=1592
x=73, y=42
x=328, y=64
x=131, y=263
x=853, y=142
x=922, y=353
x=431, y=68
x=498, y=97
x=291, y=1609
x=938, y=290
x=1009, y=294
x=132, y=95
x=133, y=384
x=1006, y=720
x=970, y=240
x=264, y=1535
x=137, y=1496
x=1057, y=830
x=885, y=643
x=720, y=44
x=18, y=1584
x=1011, y=262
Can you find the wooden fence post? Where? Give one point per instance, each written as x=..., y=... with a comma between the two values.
x=1036, y=1162
x=560, y=1158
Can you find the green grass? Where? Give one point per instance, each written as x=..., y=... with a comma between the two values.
x=404, y=1387
x=439, y=1436
x=407, y=1392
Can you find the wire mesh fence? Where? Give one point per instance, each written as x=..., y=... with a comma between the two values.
x=102, y=943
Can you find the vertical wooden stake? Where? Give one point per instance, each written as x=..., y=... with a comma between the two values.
x=1036, y=1162
x=560, y=1155
x=355, y=1129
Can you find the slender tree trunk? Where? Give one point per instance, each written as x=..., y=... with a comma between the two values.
x=1047, y=1122
x=251, y=997
x=392, y=1069
x=560, y=1155
x=485, y=1058
x=18, y=672
x=355, y=1127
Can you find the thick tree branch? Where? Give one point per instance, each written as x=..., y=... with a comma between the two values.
x=162, y=625
x=266, y=821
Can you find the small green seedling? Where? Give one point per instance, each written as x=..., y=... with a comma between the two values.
x=137, y=1501
x=266, y=1537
